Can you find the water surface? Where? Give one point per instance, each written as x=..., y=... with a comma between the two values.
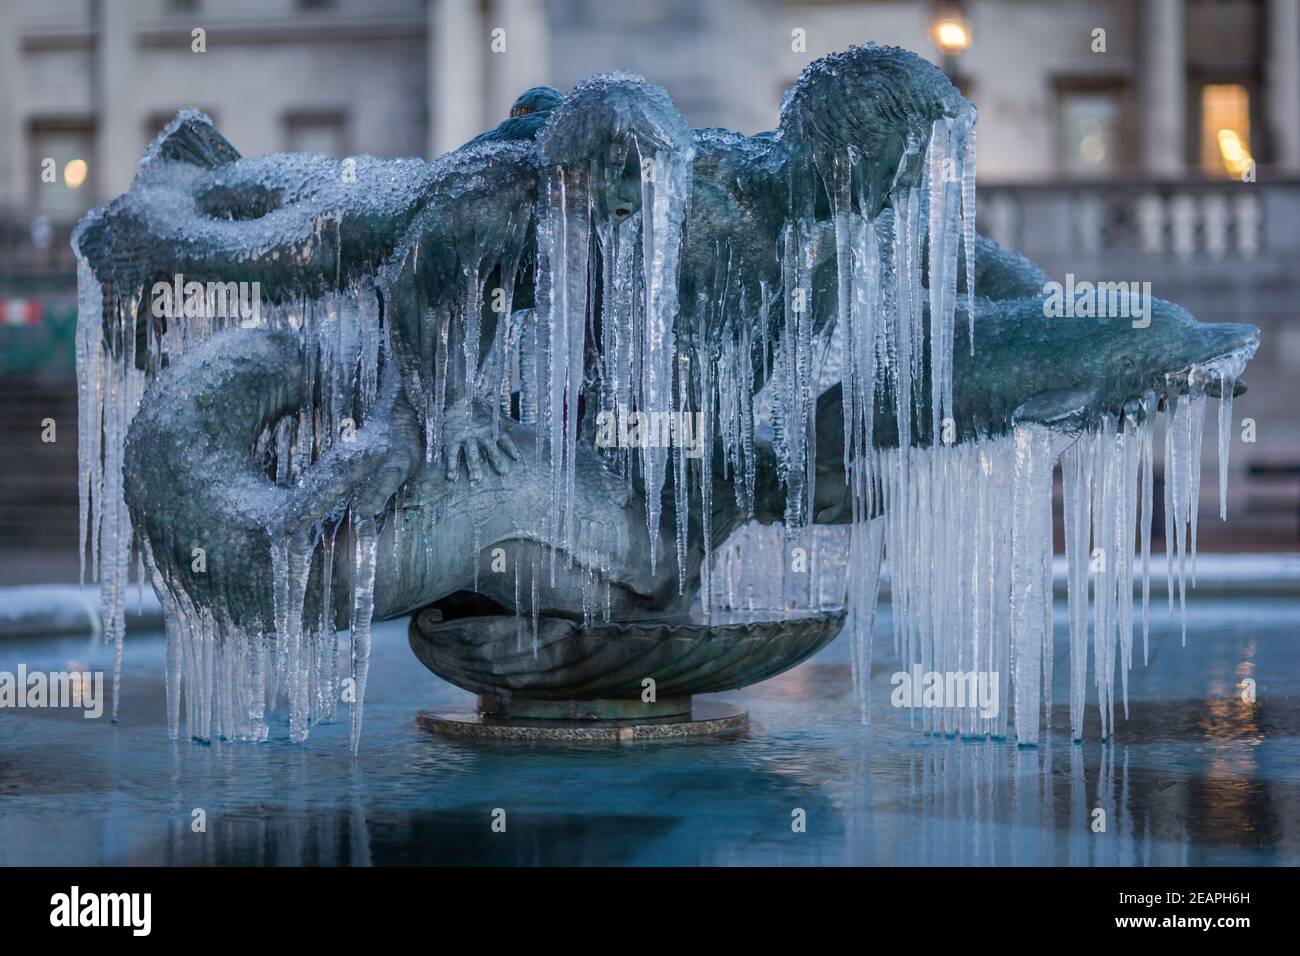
x=1195, y=775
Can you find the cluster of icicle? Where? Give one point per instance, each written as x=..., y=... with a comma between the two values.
x=108, y=394
x=878, y=348
x=969, y=531
x=229, y=676
x=967, y=528
x=638, y=268
x=234, y=676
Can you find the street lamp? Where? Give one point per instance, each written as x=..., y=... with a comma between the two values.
x=950, y=30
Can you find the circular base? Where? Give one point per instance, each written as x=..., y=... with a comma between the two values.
x=525, y=708
x=705, y=718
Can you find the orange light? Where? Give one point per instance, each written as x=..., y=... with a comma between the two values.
x=74, y=173
x=1225, y=129
x=1236, y=157
x=951, y=35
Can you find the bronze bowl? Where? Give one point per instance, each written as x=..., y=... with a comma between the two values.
x=600, y=671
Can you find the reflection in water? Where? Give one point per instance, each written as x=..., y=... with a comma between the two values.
x=459, y=837
x=963, y=799
x=1195, y=775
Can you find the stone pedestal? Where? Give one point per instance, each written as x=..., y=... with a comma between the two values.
x=698, y=719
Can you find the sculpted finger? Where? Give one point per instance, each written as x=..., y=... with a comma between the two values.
x=508, y=446
x=453, y=461
x=473, y=461
x=496, y=458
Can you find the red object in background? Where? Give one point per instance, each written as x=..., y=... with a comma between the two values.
x=21, y=311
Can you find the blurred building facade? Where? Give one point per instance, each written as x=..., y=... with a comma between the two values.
x=1114, y=135
x=1065, y=89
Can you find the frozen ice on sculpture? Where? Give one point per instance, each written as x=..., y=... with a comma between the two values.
x=416, y=398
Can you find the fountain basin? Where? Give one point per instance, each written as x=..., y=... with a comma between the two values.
x=619, y=680
x=498, y=656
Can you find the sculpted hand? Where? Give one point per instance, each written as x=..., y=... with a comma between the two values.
x=468, y=433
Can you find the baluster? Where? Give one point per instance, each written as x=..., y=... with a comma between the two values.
x=1182, y=217
x=1214, y=213
x=1151, y=223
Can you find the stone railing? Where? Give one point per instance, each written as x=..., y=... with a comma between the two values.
x=1200, y=223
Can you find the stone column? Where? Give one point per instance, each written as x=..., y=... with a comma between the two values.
x=525, y=62
x=117, y=139
x=457, y=44
x=15, y=178
x=1282, y=82
x=1163, y=87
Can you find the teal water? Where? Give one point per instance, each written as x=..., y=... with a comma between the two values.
x=1195, y=775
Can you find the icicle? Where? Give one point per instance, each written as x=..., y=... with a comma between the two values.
x=536, y=610
x=291, y=564
x=90, y=402
x=1183, y=425
x=968, y=228
x=1195, y=430
x=1129, y=450
x=120, y=397
x=328, y=694
x=1031, y=572
x=866, y=546
x=1147, y=426
x=1103, y=587
x=665, y=191
x=1171, y=482
x=365, y=536
x=944, y=205
x=1227, y=370
x=1076, y=474
x=1227, y=383
x=705, y=440
x=681, y=490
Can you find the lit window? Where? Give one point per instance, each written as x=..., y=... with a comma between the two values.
x=1225, y=129
x=62, y=165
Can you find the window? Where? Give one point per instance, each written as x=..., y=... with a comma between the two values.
x=1088, y=140
x=324, y=133
x=63, y=165
x=1225, y=129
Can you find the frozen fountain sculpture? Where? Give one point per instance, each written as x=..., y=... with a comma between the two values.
x=547, y=391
